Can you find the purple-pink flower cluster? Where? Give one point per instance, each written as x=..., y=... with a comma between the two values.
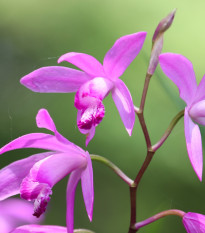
x=35, y=176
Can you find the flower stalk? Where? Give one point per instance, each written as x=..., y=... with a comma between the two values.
x=111, y=165
x=154, y=218
x=168, y=131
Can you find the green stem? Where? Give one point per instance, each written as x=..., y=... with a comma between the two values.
x=168, y=131
x=154, y=218
x=111, y=165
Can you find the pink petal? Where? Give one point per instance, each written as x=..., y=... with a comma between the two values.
x=54, y=79
x=194, y=144
x=19, y=210
x=180, y=70
x=197, y=112
x=85, y=62
x=14, y=212
x=123, y=52
x=12, y=175
x=39, y=229
x=124, y=104
x=53, y=168
x=194, y=223
x=87, y=187
x=200, y=93
x=71, y=187
x=44, y=120
x=36, y=140
x=92, y=92
x=90, y=133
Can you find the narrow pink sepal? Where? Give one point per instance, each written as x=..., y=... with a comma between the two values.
x=70, y=197
x=39, y=229
x=85, y=62
x=35, y=140
x=12, y=175
x=180, y=70
x=87, y=187
x=123, y=52
x=54, y=79
x=124, y=104
x=44, y=120
x=193, y=144
x=194, y=222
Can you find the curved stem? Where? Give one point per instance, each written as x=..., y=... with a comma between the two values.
x=158, y=216
x=144, y=167
x=168, y=130
x=144, y=93
x=111, y=165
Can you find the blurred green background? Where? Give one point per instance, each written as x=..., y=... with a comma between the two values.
x=35, y=33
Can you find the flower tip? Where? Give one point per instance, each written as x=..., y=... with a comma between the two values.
x=129, y=132
x=164, y=24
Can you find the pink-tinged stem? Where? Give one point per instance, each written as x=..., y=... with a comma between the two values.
x=168, y=131
x=111, y=165
x=140, y=111
x=158, y=216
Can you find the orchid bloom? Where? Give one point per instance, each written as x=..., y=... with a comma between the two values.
x=93, y=83
x=34, y=177
x=180, y=70
x=14, y=212
x=194, y=223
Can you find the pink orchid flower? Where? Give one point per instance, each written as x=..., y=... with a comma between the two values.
x=180, y=70
x=194, y=223
x=93, y=83
x=14, y=212
x=34, y=177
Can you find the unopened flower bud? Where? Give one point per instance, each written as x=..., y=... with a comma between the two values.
x=157, y=41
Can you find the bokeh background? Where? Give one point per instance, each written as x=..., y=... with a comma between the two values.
x=35, y=33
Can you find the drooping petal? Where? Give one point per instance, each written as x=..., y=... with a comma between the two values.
x=193, y=144
x=87, y=187
x=194, y=222
x=39, y=229
x=124, y=104
x=123, y=52
x=200, y=93
x=85, y=62
x=70, y=197
x=12, y=175
x=180, y=70
x=89, y=132
x=36, y=140
x=54, y=79
x=90, y=135
x=197, y=112
x=53, y=168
